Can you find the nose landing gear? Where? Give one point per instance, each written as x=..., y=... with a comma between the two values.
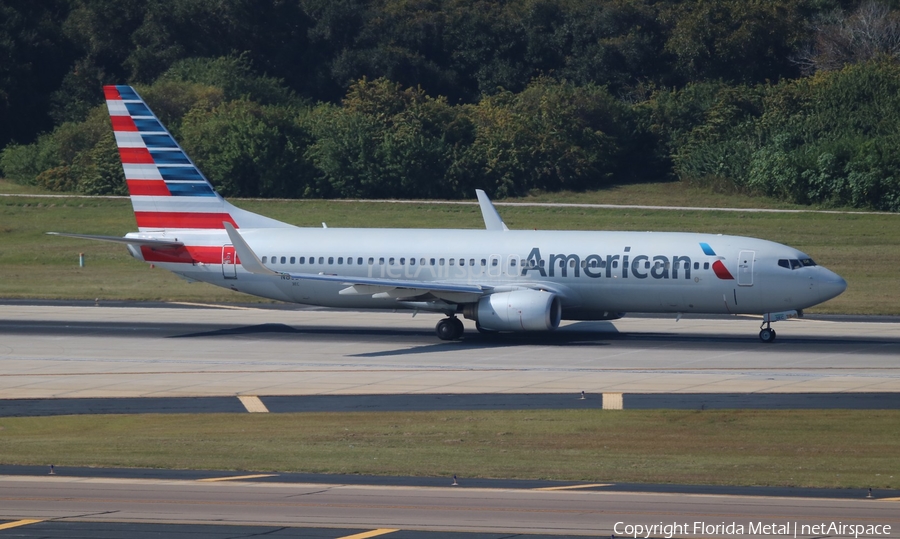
x=449, y=329
x=766, y=333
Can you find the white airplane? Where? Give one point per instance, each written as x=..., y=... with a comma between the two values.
x=505, y=280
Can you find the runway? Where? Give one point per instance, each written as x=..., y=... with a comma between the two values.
x=105, y=352
x=442, y=509
x=195, y=356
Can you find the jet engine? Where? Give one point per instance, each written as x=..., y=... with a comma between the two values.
x=519, y=310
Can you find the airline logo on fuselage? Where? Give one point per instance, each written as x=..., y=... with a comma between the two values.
x=609, y=266
x=622, y=266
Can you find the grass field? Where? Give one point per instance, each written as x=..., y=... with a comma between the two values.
x=865, y=249
x=816, y=448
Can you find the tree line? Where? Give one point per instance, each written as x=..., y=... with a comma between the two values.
x=394, y=98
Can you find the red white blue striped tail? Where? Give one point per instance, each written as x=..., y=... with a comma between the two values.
x=168, y=192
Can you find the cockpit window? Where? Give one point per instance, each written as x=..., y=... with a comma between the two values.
x=796, y=264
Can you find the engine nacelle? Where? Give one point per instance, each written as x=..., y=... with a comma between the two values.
x=519, y=310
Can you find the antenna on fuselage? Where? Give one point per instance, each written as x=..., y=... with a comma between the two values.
x=492, y=220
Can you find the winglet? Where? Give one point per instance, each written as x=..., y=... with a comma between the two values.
x=492, y=220
x=247, y=257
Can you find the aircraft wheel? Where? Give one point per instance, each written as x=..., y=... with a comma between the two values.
x=767, y=335
x=460, y=328
x=448, y=330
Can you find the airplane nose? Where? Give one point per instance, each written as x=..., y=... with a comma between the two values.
x=830, y=285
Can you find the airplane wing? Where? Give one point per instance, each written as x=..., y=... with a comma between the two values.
x=117, y=239
x=376, y=287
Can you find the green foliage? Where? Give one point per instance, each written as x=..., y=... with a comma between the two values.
x=433, y=98
x=22, y=163
x=247, y=149
x=100, y=170
x=234, y=75
x=829, y=139
x=551, y=136
x=386, y=142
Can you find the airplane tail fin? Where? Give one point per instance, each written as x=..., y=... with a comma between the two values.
x=168, y=192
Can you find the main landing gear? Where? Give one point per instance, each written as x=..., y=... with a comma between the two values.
x=449, y=329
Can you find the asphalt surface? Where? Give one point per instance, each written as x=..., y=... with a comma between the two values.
x=447, y=402
x=437, y=482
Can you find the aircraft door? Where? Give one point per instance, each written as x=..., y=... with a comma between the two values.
x=745, y=268
x=494, y=266
x=229, y=269
x=512, y=266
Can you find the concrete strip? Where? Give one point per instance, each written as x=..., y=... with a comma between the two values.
x=235, y=478
x=612, y=401
x=253, y=404
x=576, y=487
x=366, y=535
x=76, y=352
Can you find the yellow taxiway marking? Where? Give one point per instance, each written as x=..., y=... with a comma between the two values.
x=373, y=533
x=888, y=499
x=18, y=523
x=573, y=487
x=214, y=306
x=253, y=404
x=236, y=477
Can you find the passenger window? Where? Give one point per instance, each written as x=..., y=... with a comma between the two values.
x=349, y=260
x=494, y=262
x=292, y=260
x=615, y=264
x=706, y=265
x=432, y=261
x=421, y=261
x=340, y=260
x=471, y=261
x=391, y=261
x=359, y=261
x=483, y=262
x=284, y=260
x=696, y=265
x=322, y=260
x=462, y=261
x=381, y=261
x=302, y=260
x=452, y=261
x=412, y=261
x=264, y=260
x=331, y=260
x=371, y=261
x=441, y=262
x=402, y=261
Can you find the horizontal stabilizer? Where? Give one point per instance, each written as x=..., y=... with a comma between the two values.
x=116, y=239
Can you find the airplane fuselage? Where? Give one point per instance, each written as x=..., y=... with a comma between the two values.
x=595, y=274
